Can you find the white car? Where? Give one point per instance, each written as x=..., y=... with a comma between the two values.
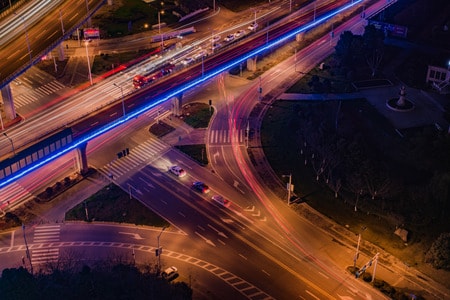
x=253, y=26
x=221, y=200
x=200, y=54
x=229, y=38
x=215, y=38
x=187, y=61
x=170, y=273
x=178, y=171
x=239, y=33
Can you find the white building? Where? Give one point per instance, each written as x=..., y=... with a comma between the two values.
x=439, y=78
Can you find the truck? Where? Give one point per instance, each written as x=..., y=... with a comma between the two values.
x=140, y=81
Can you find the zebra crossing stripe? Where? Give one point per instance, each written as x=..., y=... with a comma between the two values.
x=56, y=85
x=137, y=156
x=42, y=89
x=224, y=136
x=44, y=255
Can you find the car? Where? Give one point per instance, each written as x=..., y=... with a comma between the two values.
x=253, y=26
x=239, y=33
x=215, y=38
x=170, y=273
x=200, y=54
x=221, y=200
x=178, y=171
x=187, y=60
x=216, y=46
x=229, y=38
x=200, y=187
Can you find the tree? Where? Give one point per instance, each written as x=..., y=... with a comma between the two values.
x=439, y=254
x=374, y=60
x=377, y=179
x=373, y=40
x=105, y=281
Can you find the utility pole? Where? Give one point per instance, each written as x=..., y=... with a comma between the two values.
x=247, y=133
x=159, y=251
x=289, y=187
x=123, y=102
x=27, y=249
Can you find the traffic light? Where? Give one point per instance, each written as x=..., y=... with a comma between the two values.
x=123, y=153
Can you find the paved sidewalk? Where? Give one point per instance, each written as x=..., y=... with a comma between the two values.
x=183, y=133
x=429, y=107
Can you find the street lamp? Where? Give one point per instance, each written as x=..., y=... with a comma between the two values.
x=27, y=250
x=1, y=120
x=159, y=250
x=289, y=187
x=11, y=141
x=314, y=11
x=247, y=133
x=123, y=102
x=159, y=29
x=88, y=62
x=26, y=36
x=212, y=41
x=357, y=247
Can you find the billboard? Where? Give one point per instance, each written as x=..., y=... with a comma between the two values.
x=392, y=29
x=91, y=33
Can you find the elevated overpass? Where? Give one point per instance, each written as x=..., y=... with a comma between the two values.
x=32, y=31
x=172, y=87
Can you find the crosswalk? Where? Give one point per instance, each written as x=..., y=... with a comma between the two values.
x=36, y=94
x=224, y=136
x=138, y=156
x=45, y=234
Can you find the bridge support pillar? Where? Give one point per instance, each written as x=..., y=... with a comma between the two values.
x=251, y=64
x=61, y=54
x=82, y=159
x=177, y=104
x=8, y=103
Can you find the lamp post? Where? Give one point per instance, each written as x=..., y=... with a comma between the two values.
x=88, y=62
x=314, y=11
x=1, y=120
x=11, y=141
x=247, y=133
x=62, y=24
x=27, y=250
x=357, y=247
x=26, y=36
x=159, y=250
x=123, y=102
x=159, y=29
x=289, y=187
x=212, y=41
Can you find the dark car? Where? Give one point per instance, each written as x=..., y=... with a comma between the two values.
x=200, y=187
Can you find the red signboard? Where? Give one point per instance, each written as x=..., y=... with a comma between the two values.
x=91, y=33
